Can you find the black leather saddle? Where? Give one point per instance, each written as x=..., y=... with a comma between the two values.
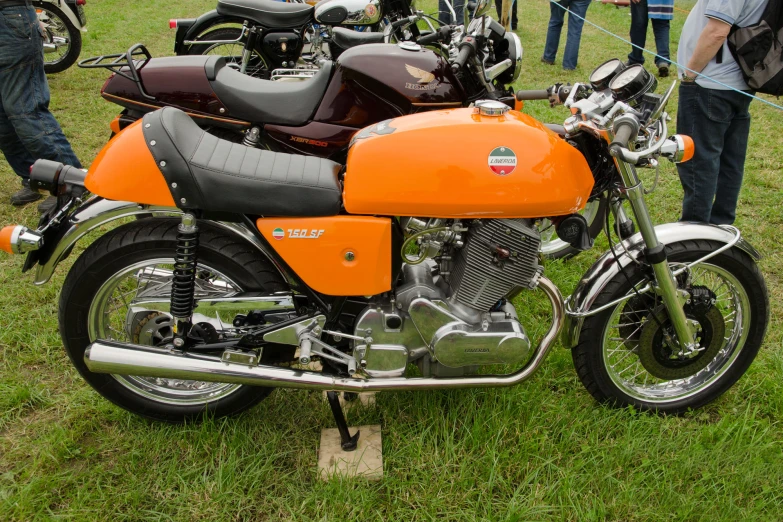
x=343, y=39
x=206, y=173
x=268, y=12
x=265, y=101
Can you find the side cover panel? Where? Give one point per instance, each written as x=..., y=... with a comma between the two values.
x=126, y=171
x=339, y=255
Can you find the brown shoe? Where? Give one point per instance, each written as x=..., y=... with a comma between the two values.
x=25, y=196
x=546, y=61
x=663, y=70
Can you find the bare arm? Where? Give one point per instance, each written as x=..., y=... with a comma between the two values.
x=710, y=41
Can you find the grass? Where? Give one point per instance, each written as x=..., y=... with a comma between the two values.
x=541, y=451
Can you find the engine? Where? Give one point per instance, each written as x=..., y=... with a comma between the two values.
x=450, y=314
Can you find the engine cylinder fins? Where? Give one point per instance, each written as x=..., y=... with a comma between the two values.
x=499, y=255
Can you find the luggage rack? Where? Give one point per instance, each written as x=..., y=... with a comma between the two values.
x=127, y=60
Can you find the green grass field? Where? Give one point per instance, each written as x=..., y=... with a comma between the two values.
x=541, y=451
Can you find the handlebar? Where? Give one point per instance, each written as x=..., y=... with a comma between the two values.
x=441, y=35
x=467, y=48
x=538, y=94
x=556, y=94
x=625, y=127
x=404, y=21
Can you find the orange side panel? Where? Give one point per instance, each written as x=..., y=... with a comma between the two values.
x=115, y=125
x=339, y=255
x=126, y=171
x=457, y=164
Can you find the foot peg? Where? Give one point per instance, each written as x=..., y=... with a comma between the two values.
x=347, y=442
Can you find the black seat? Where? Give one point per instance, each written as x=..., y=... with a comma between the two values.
x=346, y=38
x=206, y=173
x=268, y=12
x=265, y=101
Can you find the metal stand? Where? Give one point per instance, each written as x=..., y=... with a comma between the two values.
x=347, y=442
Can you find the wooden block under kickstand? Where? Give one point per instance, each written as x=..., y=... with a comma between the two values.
x=366, y=461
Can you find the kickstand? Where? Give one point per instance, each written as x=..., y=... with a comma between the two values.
x=347, y=442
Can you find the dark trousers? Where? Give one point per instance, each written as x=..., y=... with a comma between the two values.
x=28, y=131
x=557, y=12
x=639, y=17
x=444, y=14
x=719, y=123
x=499, y=7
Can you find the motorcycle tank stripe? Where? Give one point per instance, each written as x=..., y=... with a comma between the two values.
x=502, y=161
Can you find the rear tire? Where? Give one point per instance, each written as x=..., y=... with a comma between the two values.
x=609, y=372
x=258, y=67
x=130, y=246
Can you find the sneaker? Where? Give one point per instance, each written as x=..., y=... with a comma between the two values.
x=25, y=196
x=46, y=205
x=663, y=70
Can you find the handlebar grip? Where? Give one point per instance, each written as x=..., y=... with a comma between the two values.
x=466, y=50
x=442, y=34
x=539, y=94
x=622, y=136
x=401, y=22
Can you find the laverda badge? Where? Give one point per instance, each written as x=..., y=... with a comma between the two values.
x=502, y=161
x=278, y=233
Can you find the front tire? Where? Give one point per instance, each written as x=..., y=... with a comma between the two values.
x=618, y=355
x=121, y=265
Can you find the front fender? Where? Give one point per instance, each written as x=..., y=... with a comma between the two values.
x=631, y=250
x=96, y=212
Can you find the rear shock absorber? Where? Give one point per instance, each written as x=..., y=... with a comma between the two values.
x=183, y=285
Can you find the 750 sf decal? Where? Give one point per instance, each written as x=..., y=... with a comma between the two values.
x=298, y=233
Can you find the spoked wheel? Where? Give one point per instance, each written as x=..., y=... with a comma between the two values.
x=62, y=40
x=103, y=299
x=628, y=355
x=257, y=67
x=555, y=248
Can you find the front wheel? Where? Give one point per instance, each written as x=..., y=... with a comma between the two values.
x=62, y=40
x=132, y=264
x=626, y=355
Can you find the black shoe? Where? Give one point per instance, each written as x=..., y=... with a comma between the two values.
x=25, y=196
x=47, y=205
x=663, y=70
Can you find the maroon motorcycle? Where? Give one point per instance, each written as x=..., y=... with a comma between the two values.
x=318, y=115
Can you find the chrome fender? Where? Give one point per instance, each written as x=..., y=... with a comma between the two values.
x=96, y=212
x=606, y=268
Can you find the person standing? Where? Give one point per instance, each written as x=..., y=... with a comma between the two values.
x=499, y=8
x=557, y=11
x=715, y=116
x=28, y=131
x=659, y=12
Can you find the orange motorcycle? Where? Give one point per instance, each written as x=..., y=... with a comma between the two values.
x=393, y=275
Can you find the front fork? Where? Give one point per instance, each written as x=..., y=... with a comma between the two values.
x=655, y=254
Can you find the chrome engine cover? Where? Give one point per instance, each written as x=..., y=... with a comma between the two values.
x=395, y=341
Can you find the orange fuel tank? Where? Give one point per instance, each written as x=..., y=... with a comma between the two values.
x=459, y=164
x=337, y=255
x=126, y=171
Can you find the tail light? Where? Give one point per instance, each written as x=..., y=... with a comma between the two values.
x=173, y=23
x=16, y=239
x=81, y=2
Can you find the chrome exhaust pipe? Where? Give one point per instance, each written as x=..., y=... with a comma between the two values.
x=144, y=361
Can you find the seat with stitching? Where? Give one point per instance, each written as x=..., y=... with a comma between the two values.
x=207, y=173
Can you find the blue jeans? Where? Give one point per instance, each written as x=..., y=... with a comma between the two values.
x=556, y=17
x=444, y=15
x=719, y=123
x=28, y=131
x=639, y=34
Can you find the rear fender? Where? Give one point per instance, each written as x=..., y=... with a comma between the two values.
x=96, y=212
x=631, y=250
x=68, y=10
x=201, y=25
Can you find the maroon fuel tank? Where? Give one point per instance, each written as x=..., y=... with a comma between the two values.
x=178, y=81
x=376, y=82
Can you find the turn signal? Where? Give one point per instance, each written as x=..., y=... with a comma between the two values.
x=16, y=239
x=678, y=148
x=173, y=23
x=688, y=148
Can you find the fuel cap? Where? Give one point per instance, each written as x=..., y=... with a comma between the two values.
x=409, y=46
x=490, y=108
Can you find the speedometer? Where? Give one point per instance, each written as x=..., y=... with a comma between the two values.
x=603, y=74
x=632, y=83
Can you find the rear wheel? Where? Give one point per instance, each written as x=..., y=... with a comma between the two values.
x=626, y=356
x=257, y=67
x=134, y=262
